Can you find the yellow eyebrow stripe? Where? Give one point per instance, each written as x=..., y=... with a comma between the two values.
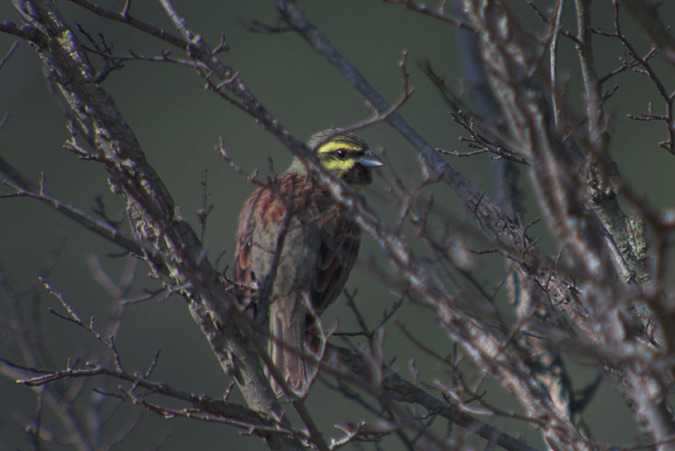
x=335, y=145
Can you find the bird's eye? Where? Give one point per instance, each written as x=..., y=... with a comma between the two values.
x=341, y=154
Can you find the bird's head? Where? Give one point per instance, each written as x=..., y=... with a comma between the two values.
x=345, y=155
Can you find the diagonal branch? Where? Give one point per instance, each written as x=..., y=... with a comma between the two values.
x=149, y=204
x=24, y=187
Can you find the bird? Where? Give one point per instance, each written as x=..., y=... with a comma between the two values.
x=296, y=245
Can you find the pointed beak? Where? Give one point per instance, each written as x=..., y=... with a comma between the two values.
x=370, y=160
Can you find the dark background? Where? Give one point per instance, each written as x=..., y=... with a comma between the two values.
x=178, y=124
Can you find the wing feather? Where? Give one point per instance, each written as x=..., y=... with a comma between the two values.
x=320, y=249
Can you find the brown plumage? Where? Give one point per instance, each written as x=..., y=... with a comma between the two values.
x=320, y=243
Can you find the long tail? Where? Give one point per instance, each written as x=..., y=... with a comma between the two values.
x=287, y=343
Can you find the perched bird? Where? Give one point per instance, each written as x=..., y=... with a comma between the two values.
x=296, y=244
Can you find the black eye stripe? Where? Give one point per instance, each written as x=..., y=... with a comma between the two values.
x=345, y=153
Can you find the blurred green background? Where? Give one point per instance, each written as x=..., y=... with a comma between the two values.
x=178, y=124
